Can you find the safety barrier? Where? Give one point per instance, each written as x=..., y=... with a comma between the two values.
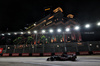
x=59, y=53
x=96, y=52
x=15, y=54
x=84, y=53
x=35, y=54
x=71, y=53
x=5, y=54
x=25, y=54
x=47, y=54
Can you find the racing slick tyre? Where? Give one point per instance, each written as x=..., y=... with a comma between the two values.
x=73, y=59
x=48, y=59
x=53, y=59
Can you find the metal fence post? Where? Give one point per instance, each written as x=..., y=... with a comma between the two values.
x=77, y=48
x=33, y=48
x=65, y=49
x=14, y=49
x=23, y=48
x=54, y=48
x=6, y=48
x=88, y=46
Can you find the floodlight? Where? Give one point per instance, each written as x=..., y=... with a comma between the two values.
x=35, y=31
x=59, y=30
x=98, y=23
x=87, y=25
x=43, y=31
x=67, y=29
x=22, y=32
x=51, y=30
x=15, y=33
x=77, y=28
x=9, y=33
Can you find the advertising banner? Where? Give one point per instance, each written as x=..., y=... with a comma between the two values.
x=1, y=49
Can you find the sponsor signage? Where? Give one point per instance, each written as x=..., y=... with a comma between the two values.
x=58, y=53
x=1, y=49
x=46, y=54
x=84, y=53
x=15, y=54
x=25, y=54
x=96, y=52
x=35, y=54
x=6, y=54
x=71, y=53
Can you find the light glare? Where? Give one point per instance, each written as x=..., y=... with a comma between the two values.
x=9, y=34
x=43, y=31
x=2, y=34
x=22, y=33
x=15, y=33
x=59, y=30
x=29, y=32
x=87, y=26
x=98, y=24
x=77, y=28
x=51, y=30
x=67, y=29
x=35, y=31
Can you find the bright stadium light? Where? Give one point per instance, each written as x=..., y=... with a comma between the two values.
x=3, y=34
x=22, y=32
x=15, y=33
x=43, y=31
x=34, y=24
x=9, y=33
x=29, y=32
x=51, y=30
x=67, y=29
x=98, y=23
x=87, y=25
x=35, y=31
x=59, y=30
x=77, y=28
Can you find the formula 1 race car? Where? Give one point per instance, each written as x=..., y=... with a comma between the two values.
x=63, y=57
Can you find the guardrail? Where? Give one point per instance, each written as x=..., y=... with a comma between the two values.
x=48, y=54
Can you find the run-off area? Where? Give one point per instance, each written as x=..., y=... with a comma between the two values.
x=92, y=60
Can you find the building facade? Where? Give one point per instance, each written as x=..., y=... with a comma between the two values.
x=57, y=21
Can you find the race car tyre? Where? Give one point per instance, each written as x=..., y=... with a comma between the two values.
x=73, y=59
x=48, y=59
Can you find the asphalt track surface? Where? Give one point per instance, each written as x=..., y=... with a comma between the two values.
x=93, y=60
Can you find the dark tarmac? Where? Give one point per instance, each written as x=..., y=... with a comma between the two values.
x=92, y=60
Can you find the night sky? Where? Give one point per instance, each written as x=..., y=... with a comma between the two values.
x=17, y=14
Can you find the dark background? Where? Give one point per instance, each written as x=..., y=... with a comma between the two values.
x=17, y=14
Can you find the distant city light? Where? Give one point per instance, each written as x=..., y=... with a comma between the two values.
x=77, y=28
x=9, y=33
x=43, y=31
x=98, y=23
x=87, y=26
x=35, y=31
x=51, y=30
x=67, y=29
